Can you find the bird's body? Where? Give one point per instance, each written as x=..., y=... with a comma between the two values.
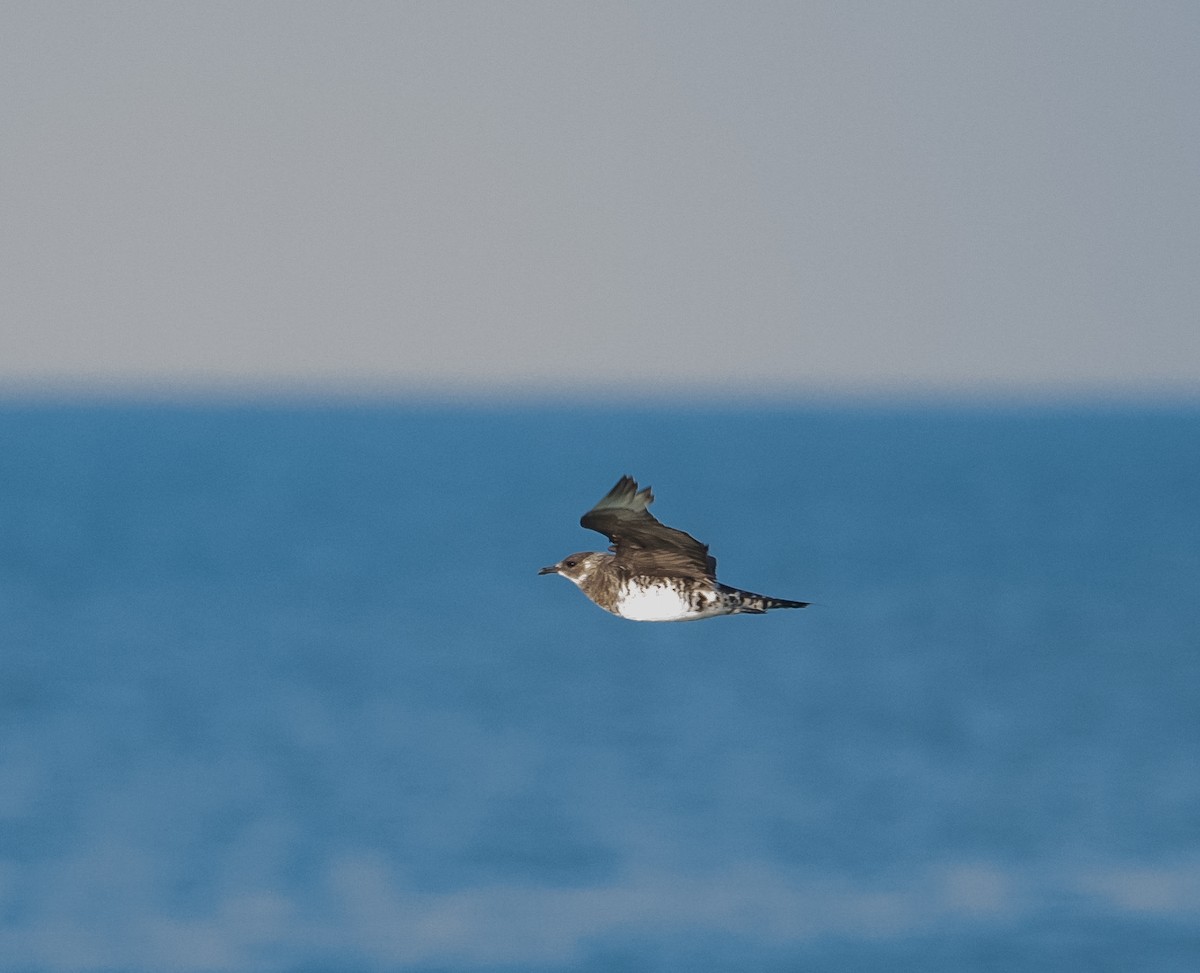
x=655, y=573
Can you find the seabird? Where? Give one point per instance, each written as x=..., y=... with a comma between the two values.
x=654, y=573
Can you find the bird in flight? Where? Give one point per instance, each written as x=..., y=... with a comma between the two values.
x=654, y=573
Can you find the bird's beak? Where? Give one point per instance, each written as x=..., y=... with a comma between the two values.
x=552, y=569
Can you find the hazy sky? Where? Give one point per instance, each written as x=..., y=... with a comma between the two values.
x=787, y=197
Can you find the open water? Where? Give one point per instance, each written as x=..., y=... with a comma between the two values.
x=281, y=690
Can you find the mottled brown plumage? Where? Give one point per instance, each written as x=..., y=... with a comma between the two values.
x=642, y=544
x=655, y=573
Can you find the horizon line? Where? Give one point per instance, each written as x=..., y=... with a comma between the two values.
x=189, y=391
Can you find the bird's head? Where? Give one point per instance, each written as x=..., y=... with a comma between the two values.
x=576, y=567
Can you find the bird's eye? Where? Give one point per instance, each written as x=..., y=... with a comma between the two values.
x=570, y=563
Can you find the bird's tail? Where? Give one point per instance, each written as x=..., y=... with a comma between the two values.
x=747, y=602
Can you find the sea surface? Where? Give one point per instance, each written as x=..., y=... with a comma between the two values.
x=282, y=690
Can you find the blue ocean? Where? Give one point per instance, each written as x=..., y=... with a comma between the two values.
x=282, y=690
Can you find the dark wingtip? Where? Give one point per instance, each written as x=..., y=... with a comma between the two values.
x=624, y=494
x=628, y=487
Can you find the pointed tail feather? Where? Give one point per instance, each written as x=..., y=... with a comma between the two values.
x=752, y=604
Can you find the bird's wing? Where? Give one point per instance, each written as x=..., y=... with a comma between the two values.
x=642, y=544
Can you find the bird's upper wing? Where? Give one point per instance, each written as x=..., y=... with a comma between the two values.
x=642, y=544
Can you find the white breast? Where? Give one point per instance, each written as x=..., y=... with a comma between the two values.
x=658, y=602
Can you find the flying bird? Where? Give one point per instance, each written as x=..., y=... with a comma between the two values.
x=654, y=573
